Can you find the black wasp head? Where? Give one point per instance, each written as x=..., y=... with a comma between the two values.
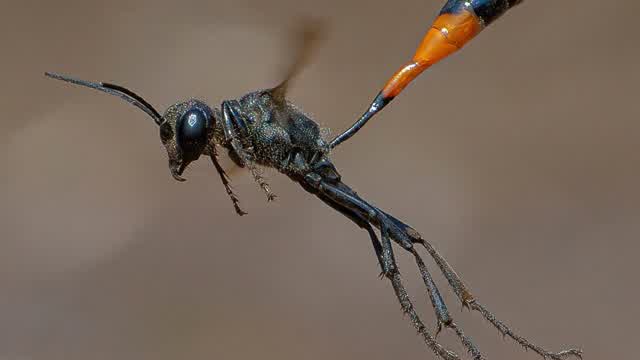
x=186, y=128
x=187, y=132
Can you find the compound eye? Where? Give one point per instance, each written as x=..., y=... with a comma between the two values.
x=191, y=131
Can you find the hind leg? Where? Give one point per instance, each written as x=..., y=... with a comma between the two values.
x=364, y=214
x=468, y=300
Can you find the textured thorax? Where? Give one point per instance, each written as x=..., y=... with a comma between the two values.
x=278, y=131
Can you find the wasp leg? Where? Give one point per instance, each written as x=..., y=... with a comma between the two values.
x=231, y=135
x=225, y=181
x=449, y=273
x=400, y=233
x=333, y=196
x=232, y=120
x=362, y=223
x=440, y=308
x=506, y=331
x=468, y=300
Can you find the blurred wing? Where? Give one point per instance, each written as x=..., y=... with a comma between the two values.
x=305, y=39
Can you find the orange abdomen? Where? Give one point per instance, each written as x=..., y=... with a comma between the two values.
x=448, y=34
x=458, y=22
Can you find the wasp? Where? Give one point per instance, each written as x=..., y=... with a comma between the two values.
x=264, y=129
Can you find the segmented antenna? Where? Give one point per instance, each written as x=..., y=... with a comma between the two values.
x=117, y=90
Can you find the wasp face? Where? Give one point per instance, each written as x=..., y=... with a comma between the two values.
x=186, y=128
x=186, y=133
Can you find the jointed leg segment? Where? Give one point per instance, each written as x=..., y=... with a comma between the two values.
x=362, y=213
x=225, y=181
x=235, y=130
x=470, y=301
x=339, y=196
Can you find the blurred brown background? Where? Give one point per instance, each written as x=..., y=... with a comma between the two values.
x=518, y=158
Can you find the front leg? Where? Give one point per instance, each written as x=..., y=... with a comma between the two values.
x=236, y=134
x=231, y=121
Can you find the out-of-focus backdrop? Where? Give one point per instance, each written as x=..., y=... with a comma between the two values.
x=517, y=157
